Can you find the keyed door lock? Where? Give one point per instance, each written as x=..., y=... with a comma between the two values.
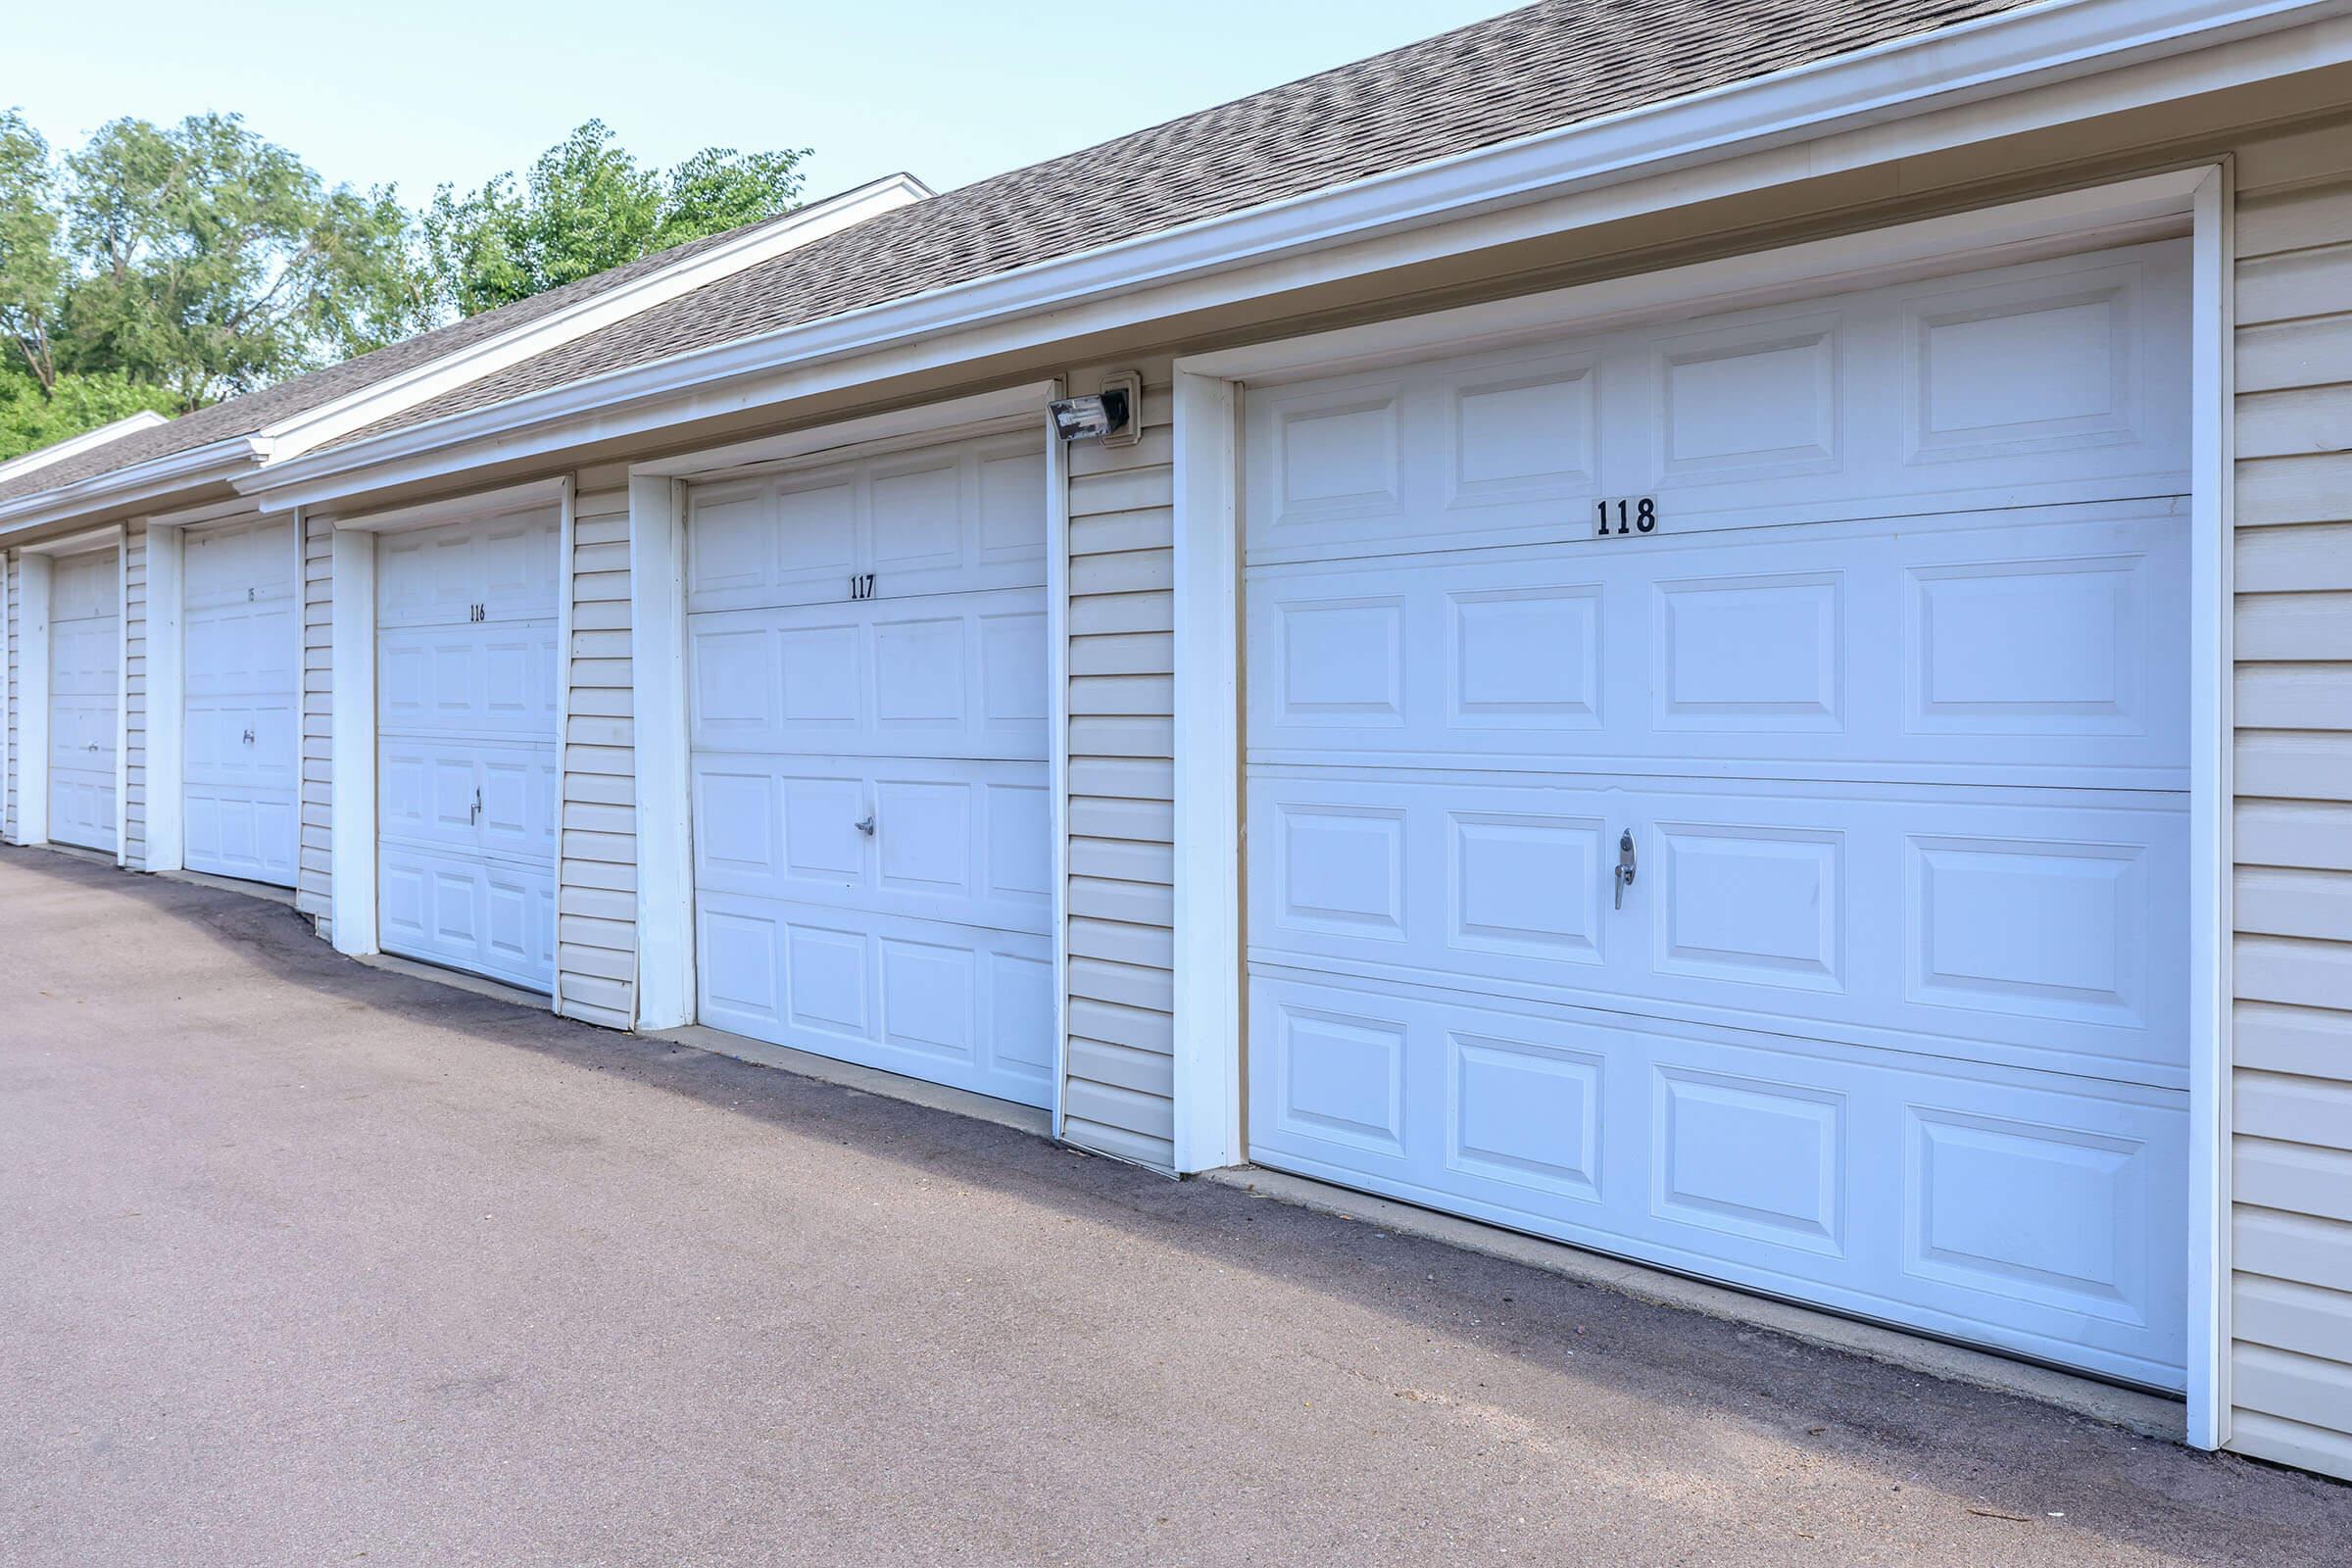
x=1625, y=866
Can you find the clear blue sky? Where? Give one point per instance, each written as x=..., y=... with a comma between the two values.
x=422, y=91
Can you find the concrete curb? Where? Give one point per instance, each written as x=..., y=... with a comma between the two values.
x=2148, y=1415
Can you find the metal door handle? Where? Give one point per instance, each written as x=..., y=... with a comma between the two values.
x=249, y=737
x=866, y=827
x=1625, y=866
x=477, y=804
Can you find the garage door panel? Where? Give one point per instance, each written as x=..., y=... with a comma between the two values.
x=2011, y=1207
x=954, y=675
x=1791, y=888
x=2053, y=382
x=496, y=680
x=242, y=832
x=954, y=518
x=490, y=917
x=1922, y=919
x=951, y=840
x=436, y=576
x=241, y=718
x=85, y=649
x=468, y=796
x=954, y=1005
x=246, y=565
x=2041, y=653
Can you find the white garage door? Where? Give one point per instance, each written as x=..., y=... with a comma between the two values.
x=466, y=745
x=85, y=697
x=867, y=651
x=1856, y=628
x=242, y=629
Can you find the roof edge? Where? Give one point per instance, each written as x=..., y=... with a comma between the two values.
x=1987, y=56
x=303, y=431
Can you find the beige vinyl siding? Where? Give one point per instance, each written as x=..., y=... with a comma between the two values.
x=1117, y=1096
x=2291, y=1365
x=134, y=695
x=596, y=886
x=311, y=882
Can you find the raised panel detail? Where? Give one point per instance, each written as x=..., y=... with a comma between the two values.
x=1527, y=1114
x=1523, y=436
x=1754, y=904
x=2046, y=929
x=1762, y=1161
x=1343, y=661
x=1343, y=1078
x=1339, y=458
x=1526, y=657
x=1744, y=404
x=2020, y=372
x=2051, y=1214
x=1528, y=885
x=1342, y=869
x=2052, y=646
x=1751, y=653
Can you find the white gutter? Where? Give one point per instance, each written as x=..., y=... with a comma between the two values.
x=42, y=456
x=169, y=474
x=2005, y=53
x=237, y=456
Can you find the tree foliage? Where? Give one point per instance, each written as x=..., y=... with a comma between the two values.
x=586, y=206
x=33, y=415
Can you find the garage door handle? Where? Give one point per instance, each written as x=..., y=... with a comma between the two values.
x=866, y=827
x=1625, y=866
x=477, y=806
x=249, y=737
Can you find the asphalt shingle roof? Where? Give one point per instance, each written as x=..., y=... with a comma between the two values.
x=1537, y=69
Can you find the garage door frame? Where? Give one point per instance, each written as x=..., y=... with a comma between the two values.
x=353, y=851
x=36, y=564
x=168, y=670
x=667, y=983
x=1211, y=1077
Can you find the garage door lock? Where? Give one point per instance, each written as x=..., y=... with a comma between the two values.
x=1625, y=866
x=866, y=826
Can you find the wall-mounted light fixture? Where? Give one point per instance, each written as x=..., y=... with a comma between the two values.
x=1114, y=415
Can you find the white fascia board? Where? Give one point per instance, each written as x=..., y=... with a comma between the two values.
x=357, y=409
x=2017, y=71
x=159, y=477
x=144, y=420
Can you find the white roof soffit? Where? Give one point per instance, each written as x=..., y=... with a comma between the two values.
x=42, y=456
x=2016, y=70
x=240, y=456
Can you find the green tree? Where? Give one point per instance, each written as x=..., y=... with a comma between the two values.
x=210, y=262
x=33, y=415
x=32, y=265
x=587, y=205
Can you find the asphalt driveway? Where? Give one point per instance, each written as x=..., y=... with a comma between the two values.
x=306, y=1263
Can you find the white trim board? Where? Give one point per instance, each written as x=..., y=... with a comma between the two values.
x=930, y=421
x=459, y=507
x=1209, y=1067
x=2020, y=71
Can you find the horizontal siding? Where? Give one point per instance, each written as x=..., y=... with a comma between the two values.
x=312, y=883
x=596, y=905
x=2291, y=1089
x=1119, y=1095
x=134, y=695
